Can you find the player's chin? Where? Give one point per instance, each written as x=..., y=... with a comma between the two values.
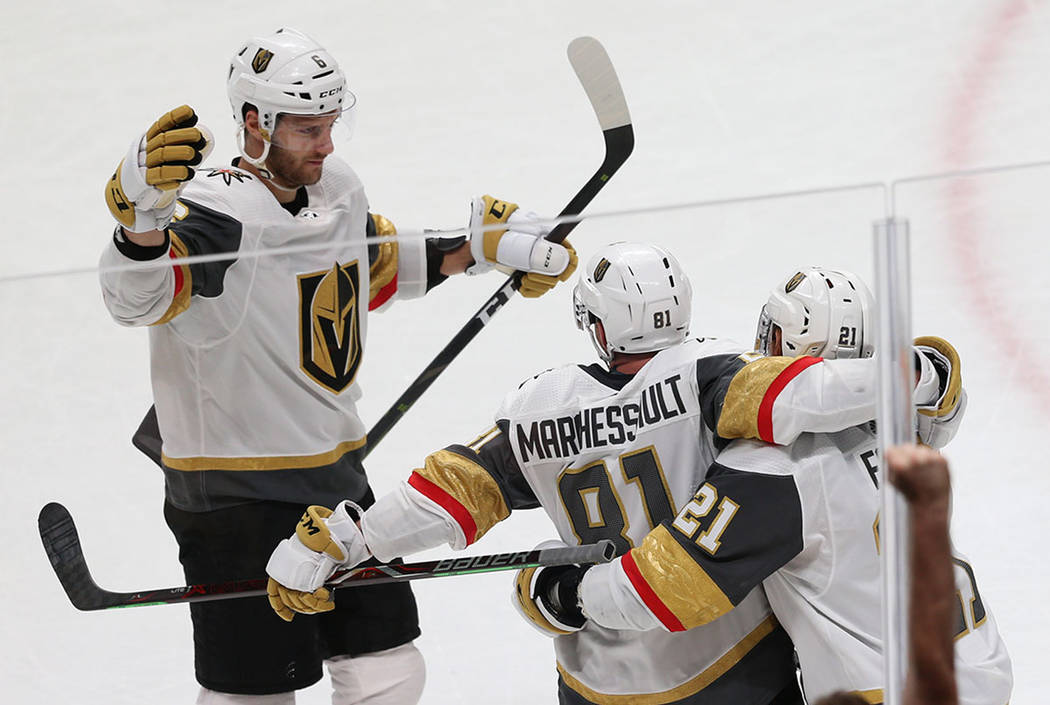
x=311, y=172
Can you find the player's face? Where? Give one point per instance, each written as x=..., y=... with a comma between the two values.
x=599, y=333
x=299, y=147
x=776, y=346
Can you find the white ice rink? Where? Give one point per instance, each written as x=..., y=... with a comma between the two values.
x=460, y=98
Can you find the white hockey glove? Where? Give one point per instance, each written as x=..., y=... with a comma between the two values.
x=548, y=598
x=521, y=246
x=142, y=191
x=939, y=421
x=324, y=540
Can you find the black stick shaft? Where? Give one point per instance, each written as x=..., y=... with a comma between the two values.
x=619, y=143
x=62, y=544
x=386, y=573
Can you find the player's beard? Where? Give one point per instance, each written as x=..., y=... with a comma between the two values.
x=293, y=169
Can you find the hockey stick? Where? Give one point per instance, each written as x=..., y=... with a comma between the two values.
x=598, y=77
x=62, y=543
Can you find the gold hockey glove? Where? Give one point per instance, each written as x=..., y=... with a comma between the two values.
x=939, y=421
x=519, y=246
x=286, y=602
x=142, y=191
x=534, y=285
x=548, y=597
x=324, y=540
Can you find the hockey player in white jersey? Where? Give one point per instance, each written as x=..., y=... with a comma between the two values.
x=609, y=453
x=254, y=360
x=801, y=521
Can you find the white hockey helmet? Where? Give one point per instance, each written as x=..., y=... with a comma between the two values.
x=286, y=72
x=640, y=294
x=821, y=312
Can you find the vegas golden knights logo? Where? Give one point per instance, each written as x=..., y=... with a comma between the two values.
x=329, y=327
x=261, y=60
x=794, y=282
x=601, y=269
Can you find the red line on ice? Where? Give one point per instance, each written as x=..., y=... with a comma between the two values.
x=966, y=234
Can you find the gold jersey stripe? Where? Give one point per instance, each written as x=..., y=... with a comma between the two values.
x=384, y=269
x=739, y=418
x=681, y=584
x=685, y=690
x=470, y=485
x=484, y=438
x=281, y=462
x=874, y=696
x=181, y=300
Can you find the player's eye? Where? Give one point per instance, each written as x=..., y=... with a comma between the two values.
x=313, y=131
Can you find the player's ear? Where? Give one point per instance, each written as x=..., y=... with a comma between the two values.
x=254, y=142
x=599, y=331
x=251, y=123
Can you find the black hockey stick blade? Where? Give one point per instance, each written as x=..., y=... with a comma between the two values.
x=599, y=81
x=62, y=544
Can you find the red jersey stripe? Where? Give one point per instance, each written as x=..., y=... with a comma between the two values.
x=765, y=409
x=179, y=279
x=384, y=294
x=649, y=597
x=447, y=502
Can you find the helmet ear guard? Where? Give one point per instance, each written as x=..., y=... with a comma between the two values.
x=641, y=296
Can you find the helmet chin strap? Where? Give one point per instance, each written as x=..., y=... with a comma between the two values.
x=603, y=350
x=260, y=161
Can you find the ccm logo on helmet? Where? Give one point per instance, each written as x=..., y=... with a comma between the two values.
x=325, y=94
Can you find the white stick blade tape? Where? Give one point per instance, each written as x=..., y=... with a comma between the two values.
x=598, y=77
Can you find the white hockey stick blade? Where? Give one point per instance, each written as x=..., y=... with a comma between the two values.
x=598, y=77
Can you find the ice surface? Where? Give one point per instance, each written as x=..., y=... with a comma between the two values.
x=469, y=97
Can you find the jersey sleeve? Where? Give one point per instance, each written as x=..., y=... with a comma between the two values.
x=737, y=529
x=384, y=262
x=139, y=297
x=400, y=268
x=775, y=399
x=459, y=494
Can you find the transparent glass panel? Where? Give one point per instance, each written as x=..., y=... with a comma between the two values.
x=76, y=386
x=980, y=256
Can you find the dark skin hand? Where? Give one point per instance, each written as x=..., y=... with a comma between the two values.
x=921, y=475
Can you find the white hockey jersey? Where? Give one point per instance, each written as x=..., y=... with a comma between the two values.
x=801, y=521
x=611, y=456
x=254, y=359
